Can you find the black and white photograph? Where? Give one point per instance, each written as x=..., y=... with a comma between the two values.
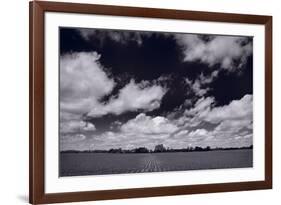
x=148, y=101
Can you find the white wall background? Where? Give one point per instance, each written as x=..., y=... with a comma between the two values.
x=14, y=100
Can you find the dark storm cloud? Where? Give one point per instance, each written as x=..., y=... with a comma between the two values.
x=145, y=87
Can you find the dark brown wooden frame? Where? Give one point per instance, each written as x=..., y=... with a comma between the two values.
x=37, y=194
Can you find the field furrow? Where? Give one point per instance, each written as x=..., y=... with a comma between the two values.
x=78, y=164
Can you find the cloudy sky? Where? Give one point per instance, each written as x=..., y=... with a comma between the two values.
x=133, y=88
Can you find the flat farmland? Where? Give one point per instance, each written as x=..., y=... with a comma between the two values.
x=78, y=164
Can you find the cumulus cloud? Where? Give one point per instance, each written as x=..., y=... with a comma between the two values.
x=233, y=120
x=144, y=124
x=83, y=81
x=143, y=130
x=230, y=122
x=180, y=134
x=222, y=50
x=117, y=36
x=194, y=116
x=229, y=129
x=236, y=110
x=201, y=108
x=205, y=110
x=233, y=125
x=199, y=85
x=74, y=142
x=74, y=126
x=132, y=97
x=199, y=135
x=72, y=138
x=197, y=88
x=206, y=79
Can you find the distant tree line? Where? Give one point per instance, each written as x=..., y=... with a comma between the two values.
x=157, y=149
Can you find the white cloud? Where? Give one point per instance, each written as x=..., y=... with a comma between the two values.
x=202, y=80
x=89, y=127
x=229, y=129
x=67, y=116
x=180, y=134
x=197, y=88
x=205, y=110
x=229, y=121
x=74, y=142
x=132, y=97
x=223, y=50
x=194, y=116
x=233, y=125
x=209, y=78
x=144, y=124
x=236, y=110
x=142, y=130
x=233, y=129
x=83, y=82
x=198, y=133
x=118, y=36
x=72, y=138
x=74, y=126
x=149, y=131
x=87, y=33
x=202, y=107
x=233, y=120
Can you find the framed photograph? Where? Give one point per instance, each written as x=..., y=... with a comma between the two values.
x=138, y=102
